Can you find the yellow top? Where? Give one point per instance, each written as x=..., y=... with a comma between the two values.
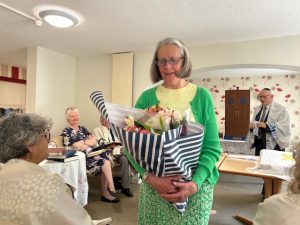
x=178, y=99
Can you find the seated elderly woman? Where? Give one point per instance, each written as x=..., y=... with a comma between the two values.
x=29, y=194
x=283, y=208
x=81, y=139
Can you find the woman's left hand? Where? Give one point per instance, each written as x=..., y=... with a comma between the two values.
x=91, y=140
x=185, y=190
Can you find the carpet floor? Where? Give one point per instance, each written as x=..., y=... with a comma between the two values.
x=233, y=195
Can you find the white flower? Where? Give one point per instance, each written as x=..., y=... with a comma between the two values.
x=156, y=120
x=129, y=121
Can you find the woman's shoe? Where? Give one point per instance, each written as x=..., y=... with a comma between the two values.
x=111, y=192
x=115, y=200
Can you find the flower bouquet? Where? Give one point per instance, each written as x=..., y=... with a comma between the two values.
x=162, y=148
x=155, y=120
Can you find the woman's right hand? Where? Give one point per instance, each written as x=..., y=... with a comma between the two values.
x=163, y=185
x=80, y=146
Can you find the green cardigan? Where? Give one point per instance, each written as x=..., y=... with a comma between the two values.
x=204, y=113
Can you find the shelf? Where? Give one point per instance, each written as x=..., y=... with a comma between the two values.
x=14, y=80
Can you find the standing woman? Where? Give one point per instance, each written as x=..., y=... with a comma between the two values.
x=171, y=63
x=81, y=139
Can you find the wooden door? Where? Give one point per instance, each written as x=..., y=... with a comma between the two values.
x=237, y=114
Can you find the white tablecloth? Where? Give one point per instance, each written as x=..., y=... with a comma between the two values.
x=276, y=163
x=73, y=173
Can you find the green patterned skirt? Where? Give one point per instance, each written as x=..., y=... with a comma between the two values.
x=153, y=210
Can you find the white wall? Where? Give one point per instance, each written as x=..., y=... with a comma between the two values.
x=50, y=84
x=92, y=74
x=141, y=72
x=280, y=51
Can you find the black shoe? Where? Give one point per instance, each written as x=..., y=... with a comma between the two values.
x=127, y=192
x=111, y=192
x=115, y=200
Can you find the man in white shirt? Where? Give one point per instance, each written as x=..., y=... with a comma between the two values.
x=103, y=133
x=270, y=124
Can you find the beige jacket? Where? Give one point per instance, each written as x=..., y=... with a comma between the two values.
x=31, y=195
x=280, y=209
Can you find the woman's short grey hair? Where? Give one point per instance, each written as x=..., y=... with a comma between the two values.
x=69, y=110
x=187, y=64
x=18, y=131
x=294, y=185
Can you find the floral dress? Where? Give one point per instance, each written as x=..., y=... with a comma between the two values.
x=93, y=164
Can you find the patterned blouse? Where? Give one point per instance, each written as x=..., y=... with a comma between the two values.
x=93, y=164
x=81, y=134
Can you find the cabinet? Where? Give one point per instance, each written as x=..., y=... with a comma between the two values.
x=237, y=114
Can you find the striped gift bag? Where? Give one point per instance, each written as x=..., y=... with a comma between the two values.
x=168, y=154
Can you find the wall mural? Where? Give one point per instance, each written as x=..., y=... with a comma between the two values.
x=286, y=90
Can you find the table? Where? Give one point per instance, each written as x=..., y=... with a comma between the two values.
x=239, y=166
x=73, y=173
x=222, y=157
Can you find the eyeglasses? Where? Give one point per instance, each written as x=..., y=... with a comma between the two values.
x=296, y=153
x=47, y=135
x=171, y=61
x=263, y=96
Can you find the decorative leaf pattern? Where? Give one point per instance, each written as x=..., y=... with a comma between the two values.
x=286, y=90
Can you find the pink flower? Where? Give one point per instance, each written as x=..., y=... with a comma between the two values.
x=287, y=96
x=143, y=131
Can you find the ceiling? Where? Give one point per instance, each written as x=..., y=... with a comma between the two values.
x=111, y=26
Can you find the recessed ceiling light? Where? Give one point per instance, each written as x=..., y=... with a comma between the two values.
x=59, y=18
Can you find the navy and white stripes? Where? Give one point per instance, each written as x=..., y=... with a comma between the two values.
x=171, y=153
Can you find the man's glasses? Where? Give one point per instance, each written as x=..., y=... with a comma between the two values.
x=296, y=153
x=47, y=135
x=262, y=96
x=171, y=61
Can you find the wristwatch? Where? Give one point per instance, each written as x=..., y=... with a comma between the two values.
x=145, y=176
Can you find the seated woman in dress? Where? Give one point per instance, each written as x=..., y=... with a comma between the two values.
x=29, y=194
x=79, y=138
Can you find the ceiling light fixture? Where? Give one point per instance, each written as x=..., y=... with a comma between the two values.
x=59, y=18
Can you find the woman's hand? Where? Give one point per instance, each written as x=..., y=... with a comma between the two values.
x=184, y=190
x=80, y=145
x=90, y=141
x=163, y=185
